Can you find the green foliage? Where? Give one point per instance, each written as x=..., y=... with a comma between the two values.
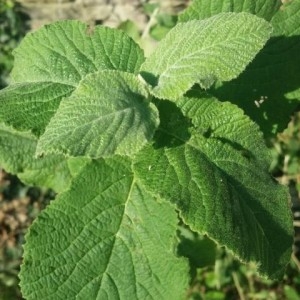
x=103, y=127
x=139, y=150
x=12, y=29
x=216, y=177
x=228, y=279
x=268, y=90
x=17, y=152
x=164, y=23
x=160, y=22
x=286, y=152
x=50, y=63
x=193, y=52
x=203, y=9
x=108, y=228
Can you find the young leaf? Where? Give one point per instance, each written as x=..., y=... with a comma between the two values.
x=17, y=151
x=105, y=238
x=108, y=113
x=50, y=63
x=220, y=183
x=202, y=9
x=218, y=48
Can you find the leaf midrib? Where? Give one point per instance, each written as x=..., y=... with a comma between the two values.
x=115, y=238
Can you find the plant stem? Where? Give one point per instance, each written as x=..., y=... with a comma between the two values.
x=238, y=286
x=150, y=23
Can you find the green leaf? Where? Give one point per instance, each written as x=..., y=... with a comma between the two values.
x=219, y=180
x=268, y=91
x=202, y=9
x=105, y=238
x=218, y=48
x=67, y=51
x=30, y=106
x=50, y=63
x=17, y=150
x=108, y=113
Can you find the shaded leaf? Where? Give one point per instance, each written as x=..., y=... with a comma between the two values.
x=17, y=150
x=200, y=250
x=268, y=90
x=219, y=180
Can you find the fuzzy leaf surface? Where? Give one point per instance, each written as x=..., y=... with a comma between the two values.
x=218, y=178
x=30, y=106
x=202, y=9
x=67, y=51
x=50, y=63
x=17, y=156
x=218, y=48
x=108, y=113
x=105, y=238
x=269, y=89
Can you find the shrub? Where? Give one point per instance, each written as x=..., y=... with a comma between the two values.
x=134, y=147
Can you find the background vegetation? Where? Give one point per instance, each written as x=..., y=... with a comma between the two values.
x=218, y=276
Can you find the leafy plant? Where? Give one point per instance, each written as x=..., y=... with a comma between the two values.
x=137, y=146
x=286, y=152
x=160, y=22
x=12, y=29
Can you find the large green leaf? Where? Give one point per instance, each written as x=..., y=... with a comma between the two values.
x=269, y=89
x=202, y=9
x=50, y=63
x=105, y=238
x=218, y=178
x=17, y=150
x=218, y=48
x=108, y=113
